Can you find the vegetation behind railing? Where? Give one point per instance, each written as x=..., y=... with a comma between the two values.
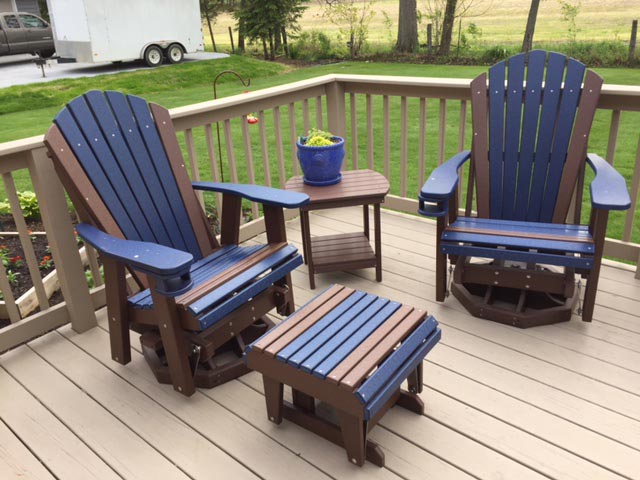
x=400, y=126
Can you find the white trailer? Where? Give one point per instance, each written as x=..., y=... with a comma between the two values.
x=92, y=31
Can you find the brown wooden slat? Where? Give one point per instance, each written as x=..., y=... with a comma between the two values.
x=577, y=152
x=206, y=240
x=284, y=327
x=217, y=280
x=480, y=146
x=508, y=233
x=312, y=316
x=385, y=345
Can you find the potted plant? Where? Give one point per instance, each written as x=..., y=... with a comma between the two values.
x=321, y=155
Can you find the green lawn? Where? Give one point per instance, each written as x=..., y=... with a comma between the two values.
x=191, y=83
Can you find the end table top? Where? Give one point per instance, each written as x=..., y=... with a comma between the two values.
x=355, y=185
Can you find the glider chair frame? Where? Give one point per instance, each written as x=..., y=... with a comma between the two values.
x=517, y=255
x=199, y=300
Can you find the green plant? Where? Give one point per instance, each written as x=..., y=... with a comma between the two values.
x=5, y=208
x=352, y=19
x=318, y=138
x=311, y=46
x=16, y=262
x=12, y=277
x=569, y=12
x=89, y=276
x=29, y=204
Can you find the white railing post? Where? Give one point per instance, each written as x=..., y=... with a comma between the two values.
x=57, y=223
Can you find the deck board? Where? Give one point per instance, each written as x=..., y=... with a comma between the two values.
x=559, y=401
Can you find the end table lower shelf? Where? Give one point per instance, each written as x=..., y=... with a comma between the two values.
x=346, y=251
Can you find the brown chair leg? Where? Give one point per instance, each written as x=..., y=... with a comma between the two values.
x=598, y=228
x=116, y=291
x=441, y=264
x=175, y=346
x=354, y=436
x=273, y=392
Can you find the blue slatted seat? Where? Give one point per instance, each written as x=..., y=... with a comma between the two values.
x=531, y=117
x=350, y=349
x=121, y=163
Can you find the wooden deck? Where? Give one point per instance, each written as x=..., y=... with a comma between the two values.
x=557, y=402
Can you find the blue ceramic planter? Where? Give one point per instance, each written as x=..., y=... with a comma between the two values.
x=321, y=165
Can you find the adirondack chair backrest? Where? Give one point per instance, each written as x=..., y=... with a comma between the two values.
x=123, y=168
x=530, y=135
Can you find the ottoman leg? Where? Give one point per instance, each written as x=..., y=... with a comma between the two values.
x=354, y=436
x=303, y=401
x=415, y=380
x=273, y=391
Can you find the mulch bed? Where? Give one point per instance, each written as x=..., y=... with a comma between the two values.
x=14, y=248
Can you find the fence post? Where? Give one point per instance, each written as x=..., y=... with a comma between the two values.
x=57, y=223
x=429, y=38
x=336, y=108
x=632, y=41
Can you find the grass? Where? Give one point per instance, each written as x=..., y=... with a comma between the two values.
x=191, y=83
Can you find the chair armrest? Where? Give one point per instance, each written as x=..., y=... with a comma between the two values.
x=443, y=180
x=257, y=193
x=441, y=184
x=169, y=266
x=608, y=188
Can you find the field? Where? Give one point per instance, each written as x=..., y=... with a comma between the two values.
x=597, y=20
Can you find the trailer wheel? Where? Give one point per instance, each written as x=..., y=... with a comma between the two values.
x=153, y=56
x=175, y=54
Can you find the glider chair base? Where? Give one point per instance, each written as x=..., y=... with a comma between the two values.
x=518, y=307
x=225, y=365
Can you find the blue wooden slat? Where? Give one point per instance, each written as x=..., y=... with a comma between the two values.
x=496, y=137
x=134, y=177
x=518, y=256
x=379, y=379
x=324, y=345
x=249, y=292
x=239, y=281
x=515, y=80
x=550, y=99
x=533, y=95
x=519, y=242
x=566, y=117
x=156, y=150
x=396, y=380
x=361, y=330
x=78, y=143
x=516, y=225
x=122, y=112
x=112, y=170
x=331, y=327
x=290, y=355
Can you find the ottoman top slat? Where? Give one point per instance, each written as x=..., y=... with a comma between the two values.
x=380, y=379
x=354, y=368
x=325, y=301
x=355, y=333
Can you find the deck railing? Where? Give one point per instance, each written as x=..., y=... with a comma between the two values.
x=400, y=126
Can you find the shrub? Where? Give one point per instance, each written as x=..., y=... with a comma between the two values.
x=311, y=46
x=29, y=204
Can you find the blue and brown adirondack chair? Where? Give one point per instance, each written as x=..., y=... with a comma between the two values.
x=201, y=300
x=531, y=123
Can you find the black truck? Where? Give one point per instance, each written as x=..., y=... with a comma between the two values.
x=25, y=33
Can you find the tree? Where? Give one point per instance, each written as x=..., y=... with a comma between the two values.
x=210, y=9
x=447, y=27
x=527, y=42
x=352, y=17
x=267, y=22
x=407, y=26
